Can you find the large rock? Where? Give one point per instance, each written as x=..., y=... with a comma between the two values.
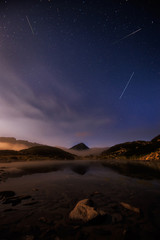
x=84, y=212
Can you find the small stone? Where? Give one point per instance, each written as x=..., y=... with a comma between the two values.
x=116, y=217
x=35, y=189
x=6, y=194
x=129, y=207
x=15, y=200
x=57, y=238
x=76, y=227
x=124, y=231
x=95, y=193
x=29, y=237
x=42, y=219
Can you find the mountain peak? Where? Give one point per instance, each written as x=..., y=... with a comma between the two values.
x=80, y=147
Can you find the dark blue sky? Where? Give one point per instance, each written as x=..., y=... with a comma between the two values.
x=65, y=64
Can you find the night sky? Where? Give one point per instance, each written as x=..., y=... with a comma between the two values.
x=80, y=71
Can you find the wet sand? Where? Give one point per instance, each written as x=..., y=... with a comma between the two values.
x=45, y=194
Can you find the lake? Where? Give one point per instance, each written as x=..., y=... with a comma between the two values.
x=46, y=192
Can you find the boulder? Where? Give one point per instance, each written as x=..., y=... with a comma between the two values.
x=85, y=211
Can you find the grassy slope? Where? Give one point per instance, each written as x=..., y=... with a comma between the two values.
x=134, y=150
x=47, y=151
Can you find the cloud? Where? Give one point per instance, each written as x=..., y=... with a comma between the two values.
x=46, y=114
x=17, y=147
x=82, y=134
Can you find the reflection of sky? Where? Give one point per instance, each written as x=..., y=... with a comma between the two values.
x=60, y=83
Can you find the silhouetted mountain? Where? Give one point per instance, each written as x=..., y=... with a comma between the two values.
x=138, y=149
x=88, y=153
x=47, y=151
x=156, y=139
x=8, y=153
x=80, y=146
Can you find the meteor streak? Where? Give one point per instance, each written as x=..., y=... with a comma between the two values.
x=126, y=85
x=128, y=35
x=30, y=25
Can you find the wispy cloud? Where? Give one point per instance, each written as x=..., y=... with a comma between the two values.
x=40, y=116
x=82, y=134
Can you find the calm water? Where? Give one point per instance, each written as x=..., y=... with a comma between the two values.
x=56, y=186
x=77, y=178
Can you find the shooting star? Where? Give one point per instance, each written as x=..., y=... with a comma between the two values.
x=30, y=25
x=127, y=36
x=126, y=85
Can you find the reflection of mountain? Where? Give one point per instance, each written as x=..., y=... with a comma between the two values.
x=14, y=144
x=80, y=169
x=144, y=150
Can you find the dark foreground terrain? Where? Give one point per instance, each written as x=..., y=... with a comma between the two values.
x=76, y=200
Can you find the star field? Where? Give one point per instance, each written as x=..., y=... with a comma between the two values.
x=65, y=64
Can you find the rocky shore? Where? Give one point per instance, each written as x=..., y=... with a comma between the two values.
x=94, y=218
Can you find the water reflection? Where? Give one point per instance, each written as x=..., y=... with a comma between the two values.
x=18, y=169
x=78, y=167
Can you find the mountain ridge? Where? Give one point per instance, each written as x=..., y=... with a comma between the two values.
x=138, y=150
